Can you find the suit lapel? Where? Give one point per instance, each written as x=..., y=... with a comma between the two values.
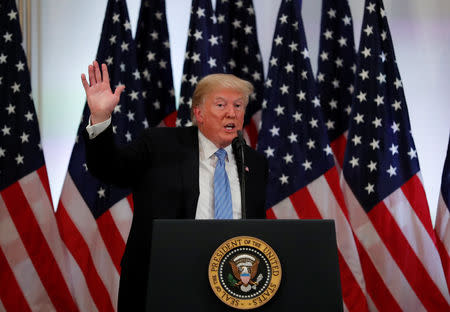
x=189, y=171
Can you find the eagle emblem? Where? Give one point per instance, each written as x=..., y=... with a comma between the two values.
x=245, y=268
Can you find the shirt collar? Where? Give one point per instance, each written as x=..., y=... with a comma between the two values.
x=207, y=148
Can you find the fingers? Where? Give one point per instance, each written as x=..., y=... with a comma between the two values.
x=98, y=74
x=119, y=90
x=91, y=75
x=105, y=74
x=84, y=82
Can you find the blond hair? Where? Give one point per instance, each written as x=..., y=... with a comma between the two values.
x=214, y=82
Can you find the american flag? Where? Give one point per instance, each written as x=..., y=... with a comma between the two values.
x=95, y=218
x=202, y=57
x=336, y=72
x=33, y=273
x=442, y=224
x=237, y=28
x=153, y=56
x=303, y=180
x=382, y=184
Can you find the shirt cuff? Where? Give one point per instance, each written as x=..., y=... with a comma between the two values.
x=94, y=130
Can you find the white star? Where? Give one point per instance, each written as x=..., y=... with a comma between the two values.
x=275, y=131
x=392, y=171
x=307, y=164
x=256, y=76
x=124, y=46
x=212, y=62
x=398, y=83
x=11, y=109
x=112, y=39
x=284, y=179
x=383, y=35
x=382, y=56
x=157, y=105
x=213, y=40
x=356, y=139
x=19, y=159
x=381, y=78
x=283, y=19
x=2, y=152
x=234, y=44
x=361, y=96
x=151, y=56
x=364, y=74
x=292, y=137
x=16, y=87
x=122, y=67
x=288, y=158
x=133, y=95
x=328, y=150
x=335, y=83
x=351, y=89
x=301, y=96
x=375, y=144
x=200, y=12
x=127, y=25
x=279, y=110
x=313, y=123
x=372, y=166
x=116, y=18
x=311, y=144
x=395, y=127
x=333, y=104
x=130, y=116
x=339, y=62
x=366, y=52
x=268, y=83
x=128, y=136
x=12, y=15
x=101, y=192
x=368, y=30
x=331, y=13
x=293, y=46
x=24, y=137
x=397, y=105
x=379, y=100
x=158, y=15
x=195, y=57
x=328, y=34
x=273, y=61
x=269, y=152
x=198, y=34
x=393, y=149
x=305, y=53
x=278, y=40
x=304, y=75
x=412, y=153
x=29, y=116
x=289, y=68
x=347, y=20
x=324, y=56
x=370, y=188
x=248, y=29
x=7, y=36
x=371, y=7
x=221, y=19
x=297, y=116
x=359, y=118
x=136, y=75
x=193, y=80
x=342, y=42
x=377, y=122
x=236, y=23
x=154, y=35
x=284, y=89
x=3, y=58
x=320, y=77
x=354, y=162
x=20, y=66
x=316, y=101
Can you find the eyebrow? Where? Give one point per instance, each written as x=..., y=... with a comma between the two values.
x=223, y=99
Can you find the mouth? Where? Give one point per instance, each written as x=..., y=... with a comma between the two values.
x=229, y=127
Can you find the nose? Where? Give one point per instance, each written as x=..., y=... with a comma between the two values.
x=231, y=111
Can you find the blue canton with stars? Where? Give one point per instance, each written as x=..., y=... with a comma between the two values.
x=293, y=135
x=153, y=55
x=20, y=144
x=380, y=155
x=117, y=50
x=202, y=57
x=237, y=27
x=336, y=68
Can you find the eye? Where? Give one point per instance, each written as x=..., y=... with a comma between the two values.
x=220, y=104
x=238, y=106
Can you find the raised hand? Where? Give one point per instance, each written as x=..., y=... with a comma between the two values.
x=101, y=100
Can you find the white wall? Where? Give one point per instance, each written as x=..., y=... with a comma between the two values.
x=66, y=34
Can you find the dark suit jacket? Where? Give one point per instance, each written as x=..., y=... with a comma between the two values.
x=162, y=169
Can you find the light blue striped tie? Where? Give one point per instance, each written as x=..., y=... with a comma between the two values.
x=222, y=194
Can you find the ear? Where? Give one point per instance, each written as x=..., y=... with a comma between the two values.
x=198, y=114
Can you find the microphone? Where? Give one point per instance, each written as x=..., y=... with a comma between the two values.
x=238, y=149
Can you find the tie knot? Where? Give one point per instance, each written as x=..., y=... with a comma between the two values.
x=221, y=154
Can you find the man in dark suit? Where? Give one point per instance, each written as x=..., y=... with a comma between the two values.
x=171, y=171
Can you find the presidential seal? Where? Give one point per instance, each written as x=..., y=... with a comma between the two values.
x=244, y=272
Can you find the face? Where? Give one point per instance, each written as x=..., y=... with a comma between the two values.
x=221, y=115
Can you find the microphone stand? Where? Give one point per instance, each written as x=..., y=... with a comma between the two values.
x=239, y=143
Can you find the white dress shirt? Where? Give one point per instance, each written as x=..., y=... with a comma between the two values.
x=207, y=166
